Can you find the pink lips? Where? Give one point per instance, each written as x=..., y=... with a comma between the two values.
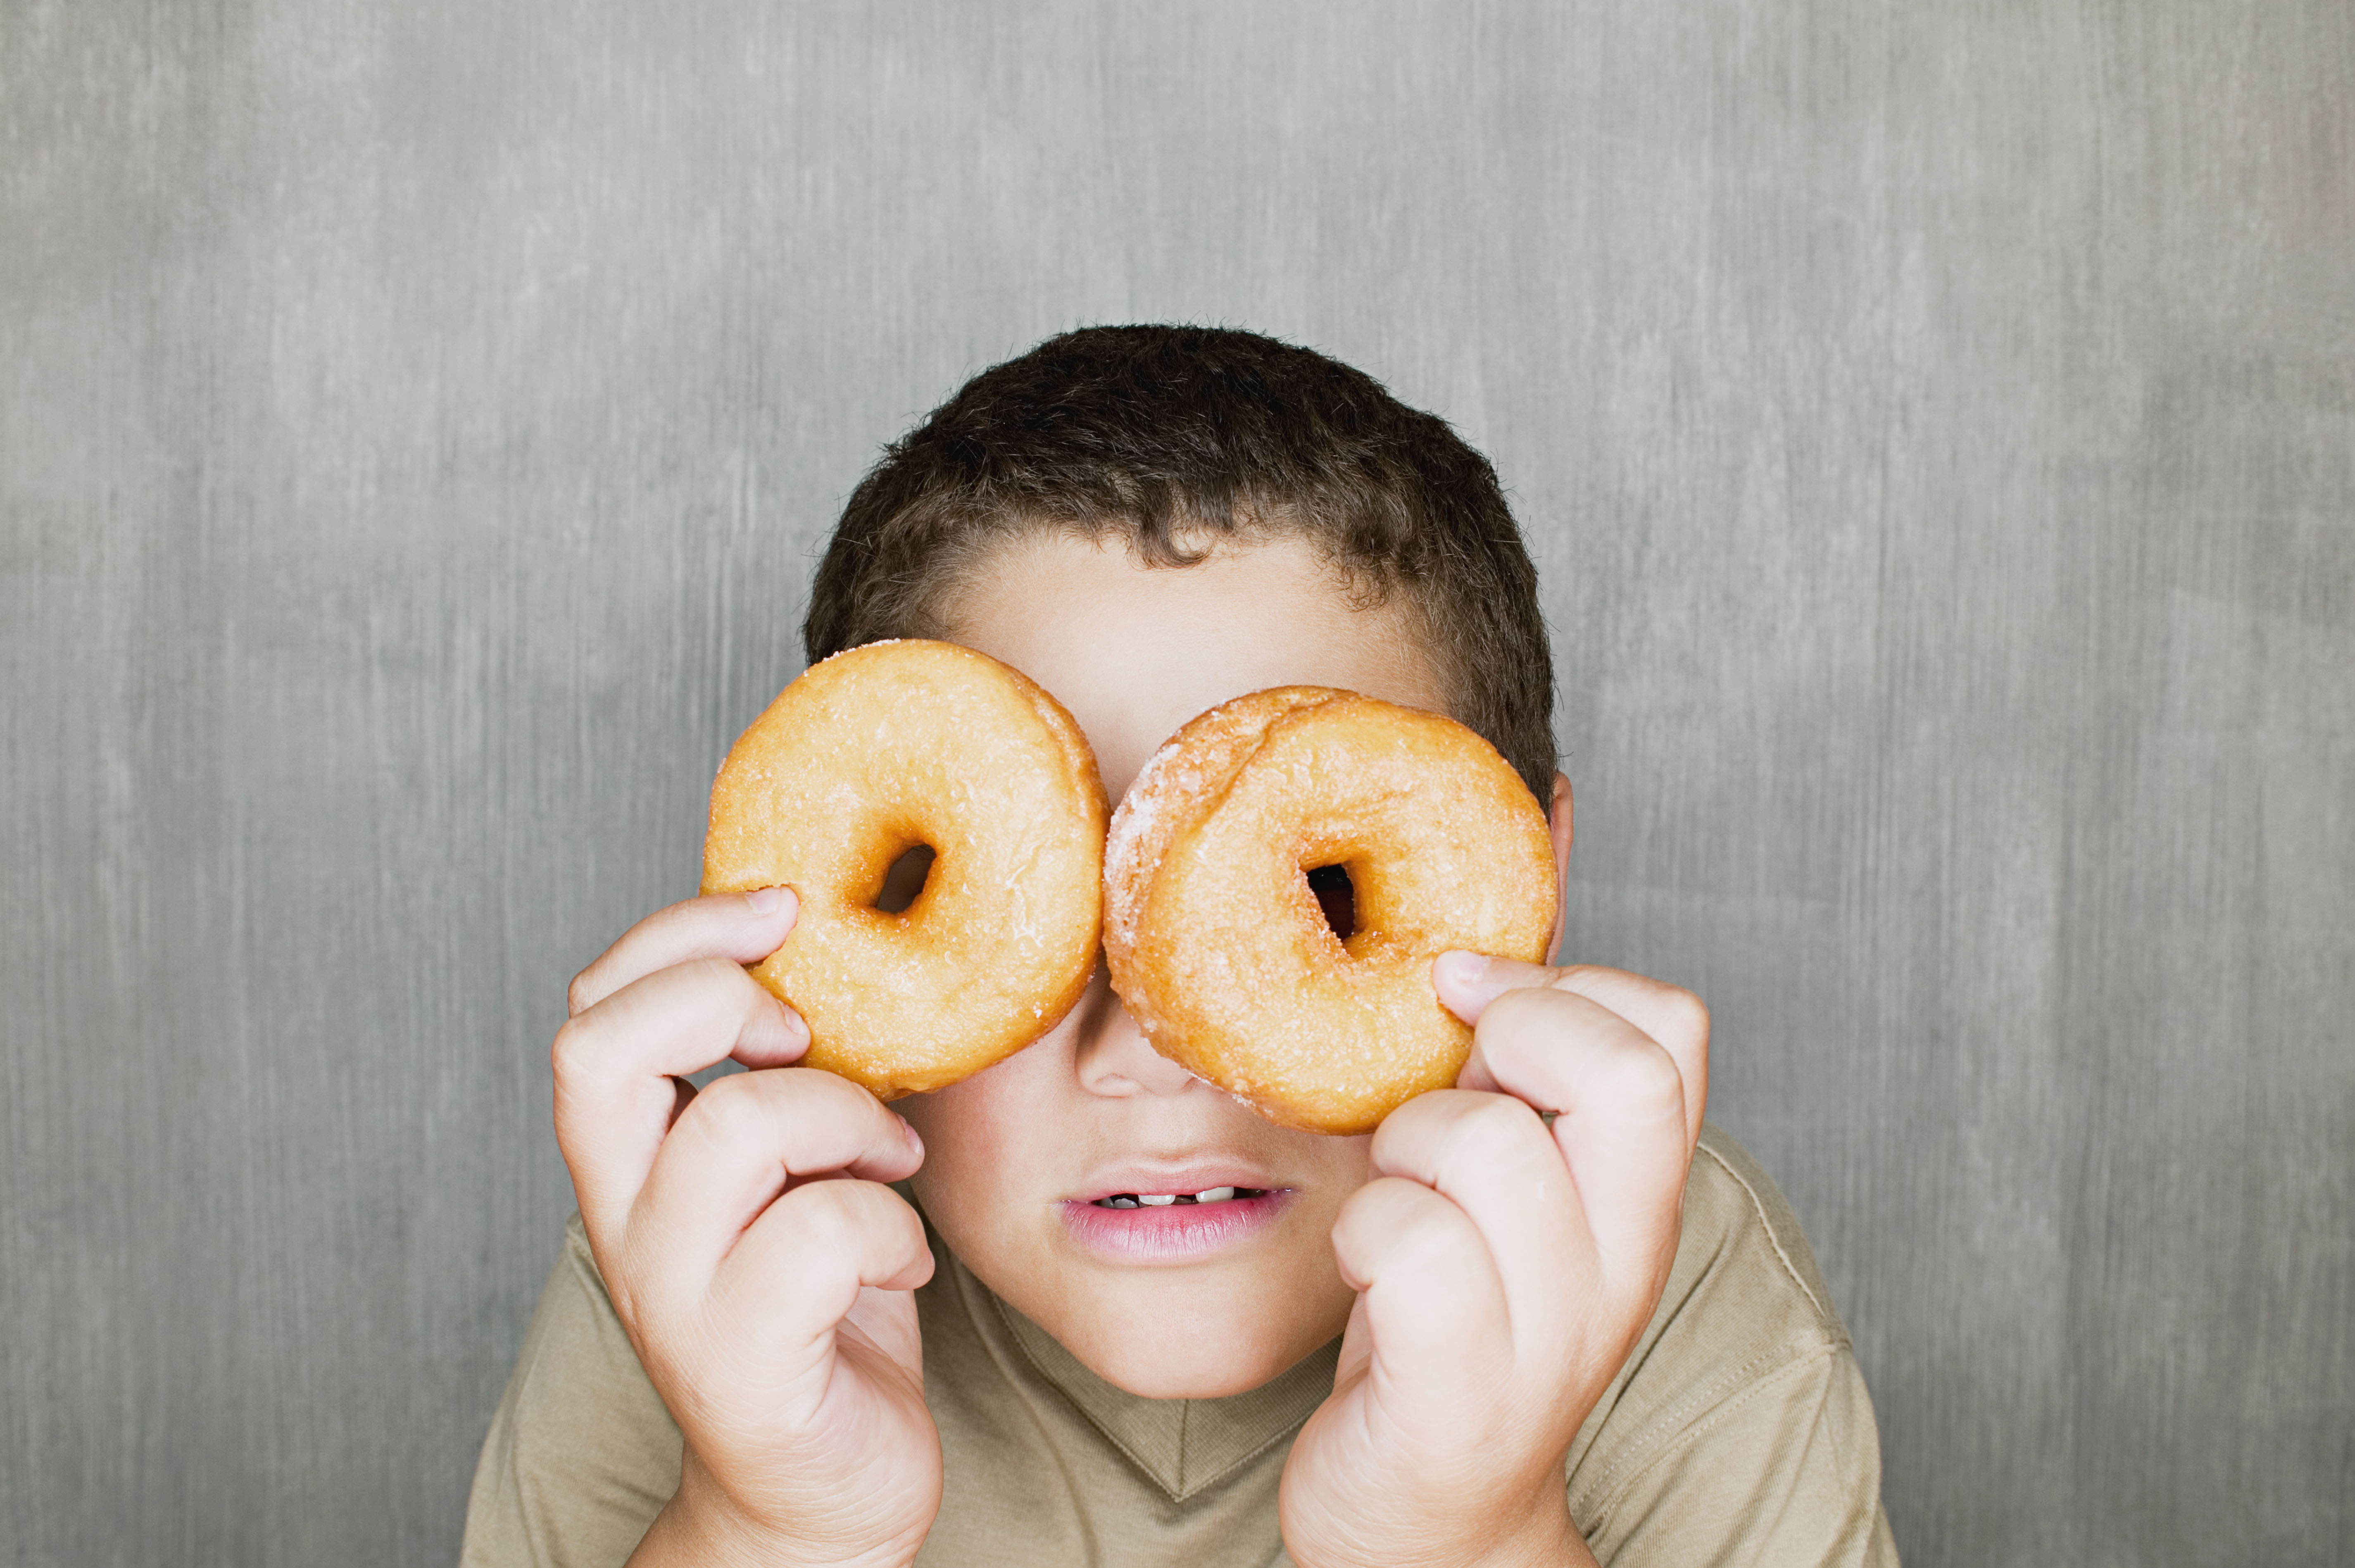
x=1174, y=1233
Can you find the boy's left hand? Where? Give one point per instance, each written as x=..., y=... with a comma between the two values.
x=1504, y=1270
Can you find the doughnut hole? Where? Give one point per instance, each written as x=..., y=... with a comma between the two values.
x=1336, y=896
x=907, y=879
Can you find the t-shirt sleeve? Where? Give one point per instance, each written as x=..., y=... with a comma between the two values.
x=1785, y=1472
x=582, y=1455
x=1741, y=1431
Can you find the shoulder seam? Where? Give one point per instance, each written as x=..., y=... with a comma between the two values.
x=1728, y=1390
x=1823, y=1311
x=1616, y=1490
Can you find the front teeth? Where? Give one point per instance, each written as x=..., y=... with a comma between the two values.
x=1163, y=1200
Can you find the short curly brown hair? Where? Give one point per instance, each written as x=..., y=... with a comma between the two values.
x=1172, y=438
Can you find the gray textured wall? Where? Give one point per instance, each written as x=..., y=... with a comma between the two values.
x=1936, y=424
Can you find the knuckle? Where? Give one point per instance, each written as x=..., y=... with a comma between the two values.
x=1646, y=1081
x=1519, y=1014
x=1494, y=1117
x=571, y=1049
x=1490, y=1122
x=1688, y=1014
x=1365, y=1221
x=1390, y=1207
x=1408, y=1125
x=844, y=1103
x=1414, y=1140
x=724, y=1111
x=716, y=975
x=1426, y=1234
x=1495, y=1130
x=910, y=1224
x=827, y=1214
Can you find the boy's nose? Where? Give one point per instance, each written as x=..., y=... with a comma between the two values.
x=1112, y=1054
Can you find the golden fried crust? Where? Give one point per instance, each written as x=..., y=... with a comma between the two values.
x=1219, y=948
x=868, y=754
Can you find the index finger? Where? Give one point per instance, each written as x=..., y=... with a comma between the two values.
x=615, y=1066
x=744, y=928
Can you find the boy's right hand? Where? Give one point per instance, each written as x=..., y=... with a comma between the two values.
x=763, y=1270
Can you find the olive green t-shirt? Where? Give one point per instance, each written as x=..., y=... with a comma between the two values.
x=1739, y=1432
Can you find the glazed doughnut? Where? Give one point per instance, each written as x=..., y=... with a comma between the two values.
x=1223, y=954
x=869, y=754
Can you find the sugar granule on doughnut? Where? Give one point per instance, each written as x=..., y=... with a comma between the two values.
x=874, y=753
x=1222, y=951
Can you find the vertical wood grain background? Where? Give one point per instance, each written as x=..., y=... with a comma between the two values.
x=1935, y=423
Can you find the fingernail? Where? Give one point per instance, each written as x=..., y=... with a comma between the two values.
x=915, y=1144
x=1460, y=968
x=766, y=901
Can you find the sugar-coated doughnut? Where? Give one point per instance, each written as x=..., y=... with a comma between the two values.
x=1225, y=956
x=869, y=754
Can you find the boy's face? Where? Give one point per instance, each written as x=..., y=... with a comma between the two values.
x=1164, y=1300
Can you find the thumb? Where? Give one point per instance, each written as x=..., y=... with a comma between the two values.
x=1468, y=982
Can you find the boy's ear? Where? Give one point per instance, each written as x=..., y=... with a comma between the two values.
x=1562, y=829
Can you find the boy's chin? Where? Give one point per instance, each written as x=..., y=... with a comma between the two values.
x=1200, y=1364
x=1164, y=1338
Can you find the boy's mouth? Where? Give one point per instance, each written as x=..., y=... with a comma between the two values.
x=1164, y=1200
x=1193, y=1215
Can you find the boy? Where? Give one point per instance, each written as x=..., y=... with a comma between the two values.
x=1474, y=1336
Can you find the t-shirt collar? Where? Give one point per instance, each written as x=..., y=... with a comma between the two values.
x=1182, y=1445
